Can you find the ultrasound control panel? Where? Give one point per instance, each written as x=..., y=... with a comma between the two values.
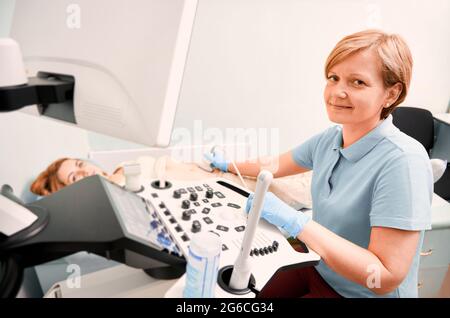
x=180, y=209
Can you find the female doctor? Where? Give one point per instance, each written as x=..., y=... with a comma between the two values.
x=371, y=185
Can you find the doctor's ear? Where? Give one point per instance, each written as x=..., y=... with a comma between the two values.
x=393, y=94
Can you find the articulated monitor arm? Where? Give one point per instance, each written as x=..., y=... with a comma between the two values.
x=41, y=90
x=18, y=91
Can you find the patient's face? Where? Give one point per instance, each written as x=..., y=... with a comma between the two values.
x=73, y=170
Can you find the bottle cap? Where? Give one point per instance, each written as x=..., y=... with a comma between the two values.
x=206, y=244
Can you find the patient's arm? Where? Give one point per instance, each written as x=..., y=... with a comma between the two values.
x=280, y=166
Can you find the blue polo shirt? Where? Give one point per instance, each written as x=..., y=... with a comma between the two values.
x=384, y=179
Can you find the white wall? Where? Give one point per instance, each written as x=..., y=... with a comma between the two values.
x=259, y=63
x=29, y=145
x=6, y=10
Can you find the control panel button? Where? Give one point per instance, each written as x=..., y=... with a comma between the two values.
x=216, y=204
x=209, y=193
x=186, y=216
x=196, y=226
x=207, y=220
x=154, y=224
x=192, y=211
x=275, y=245
x=206, y=210
x=163, y=239
x=193, y=196
x=219, y=194
x=176, y=194
x=233, y=205
x=185, y=204
x=240, y=228
x=222, y=228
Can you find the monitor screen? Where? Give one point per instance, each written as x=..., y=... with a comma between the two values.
x=127, y=59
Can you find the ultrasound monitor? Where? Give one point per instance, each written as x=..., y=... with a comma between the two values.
x=126, y=59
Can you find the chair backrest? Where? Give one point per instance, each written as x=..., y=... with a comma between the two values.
x=417, y=123
x=442, y=186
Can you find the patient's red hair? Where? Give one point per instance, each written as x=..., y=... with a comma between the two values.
x=48, y=182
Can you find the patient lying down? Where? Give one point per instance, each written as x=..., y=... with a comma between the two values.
x=66, y=171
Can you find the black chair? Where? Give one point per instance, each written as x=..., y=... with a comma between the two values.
x=442, y=186
x=11, y=275
x=419, y=124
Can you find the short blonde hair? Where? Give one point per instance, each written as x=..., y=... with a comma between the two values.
x=393, y=52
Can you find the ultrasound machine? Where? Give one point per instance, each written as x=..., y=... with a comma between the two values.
x=117, y=67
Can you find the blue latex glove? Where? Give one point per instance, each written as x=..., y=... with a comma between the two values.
x=217, y=160
x=280, y=214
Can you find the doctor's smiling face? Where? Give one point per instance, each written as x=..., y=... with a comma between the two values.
x=355, y=92
x=368, y=75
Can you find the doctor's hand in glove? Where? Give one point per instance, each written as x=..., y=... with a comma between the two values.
x=217, y=160
x=278, y=213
